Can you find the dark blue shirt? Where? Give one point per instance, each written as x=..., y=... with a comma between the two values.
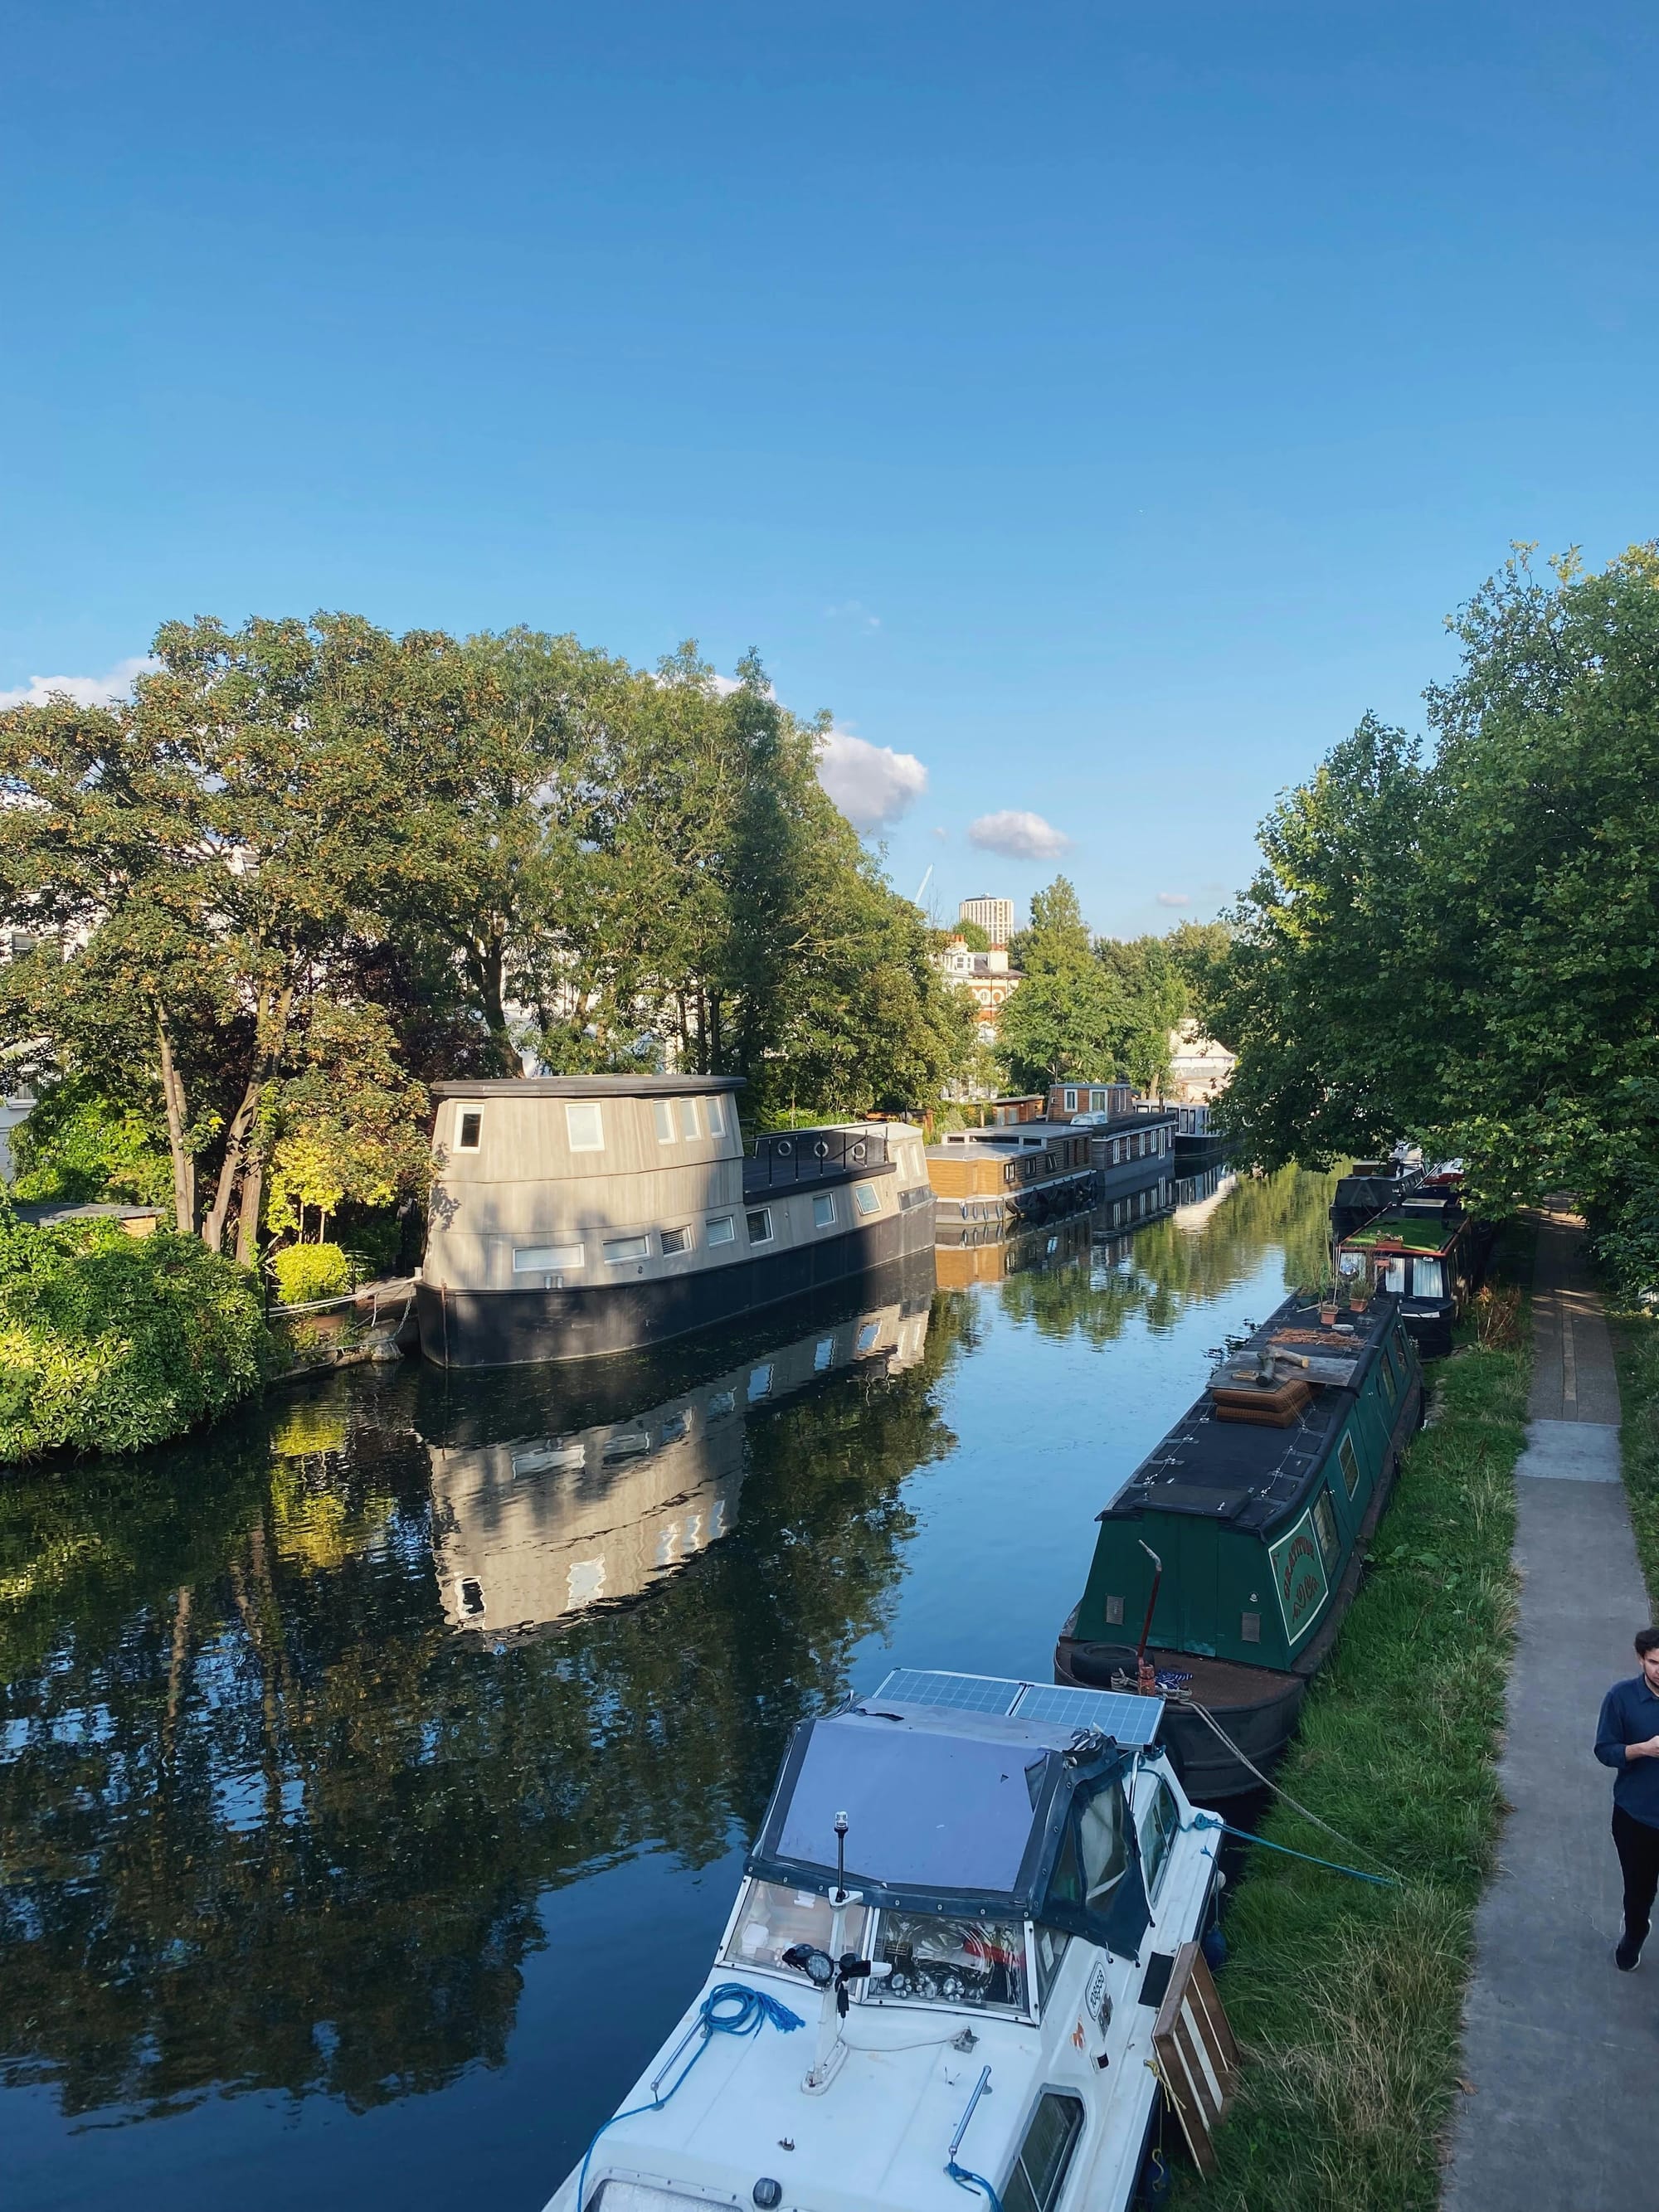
x=1630, y=1714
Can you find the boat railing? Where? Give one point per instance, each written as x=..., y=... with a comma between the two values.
x=788, y=1155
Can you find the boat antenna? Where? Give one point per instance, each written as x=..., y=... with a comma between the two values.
x=1145, y=1675
x=841, y=1859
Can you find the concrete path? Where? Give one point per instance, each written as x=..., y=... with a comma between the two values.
x=1560, y=2048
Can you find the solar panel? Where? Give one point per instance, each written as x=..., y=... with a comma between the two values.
x=1131, y=1720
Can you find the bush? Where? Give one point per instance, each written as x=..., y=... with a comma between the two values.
x=110, y=1342
x=307, y=1272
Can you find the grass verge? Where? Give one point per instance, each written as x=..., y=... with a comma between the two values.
x=1635, y=1354
x=1347, y=1999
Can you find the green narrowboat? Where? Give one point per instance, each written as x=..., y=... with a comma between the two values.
x=1429, y=1253
x=1224, y=1566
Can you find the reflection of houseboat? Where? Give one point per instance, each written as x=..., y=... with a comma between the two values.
x=1234, y=1551
x=574, y=1215
x=533, y=1531
x=962, y=1885
x=1428, y=1253
x=1197, y=1196
x=993, y=1253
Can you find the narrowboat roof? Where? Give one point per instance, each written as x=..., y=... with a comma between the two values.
x=1249, y=1477
x=585, y=1086
x=1430, y=1234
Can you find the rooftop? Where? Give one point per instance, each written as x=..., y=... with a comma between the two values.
x=586, y=1086
x=1407, y=1232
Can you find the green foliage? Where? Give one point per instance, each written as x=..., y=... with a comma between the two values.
x=972, y=935
x=1347, y=1999
x=1070, y=1016
x=306, y=1272
x=1462, y=947
x=79, y=1147
x=110, y=1342
x=1155, y=1003
x=1636, y=1353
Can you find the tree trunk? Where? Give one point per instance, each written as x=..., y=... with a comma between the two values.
x=184, y=1167
x=247, y=1213
x=235, y=1164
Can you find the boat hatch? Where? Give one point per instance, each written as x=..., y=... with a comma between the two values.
x=981, y=1809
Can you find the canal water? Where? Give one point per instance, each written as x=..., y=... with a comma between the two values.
x=375, y=1771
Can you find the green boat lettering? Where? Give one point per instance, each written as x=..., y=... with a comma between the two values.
x=1299, y=1578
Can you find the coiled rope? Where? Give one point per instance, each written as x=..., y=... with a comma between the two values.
x=731, y=2008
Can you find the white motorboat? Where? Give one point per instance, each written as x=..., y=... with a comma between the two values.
x=941, y=1973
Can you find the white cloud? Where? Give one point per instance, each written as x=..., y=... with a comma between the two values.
x=1017, y=836
x=86, y=690
x=873, y=785
x=854, y=610
x=941, y=833
x=1174, y=898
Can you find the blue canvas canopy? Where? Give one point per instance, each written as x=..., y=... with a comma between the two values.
x=959, y=1808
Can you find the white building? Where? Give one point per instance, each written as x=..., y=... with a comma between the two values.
x=995, y=916
x=1200, y=1068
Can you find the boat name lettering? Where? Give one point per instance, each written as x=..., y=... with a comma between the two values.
x=1299, y=1576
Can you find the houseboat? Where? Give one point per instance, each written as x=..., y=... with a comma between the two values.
x=578, y=1215
x=1428, y=1253
x=537, y=1529
x=1197, y=1140
x=1225, y=1565
x=1373, y=1187
x=948, y=1960
x=1023, y=1171
x=1110, y=1100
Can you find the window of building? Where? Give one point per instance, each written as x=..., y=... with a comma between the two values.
x=824, y=1354
x=472, y=1133
x=722, y=1231
x=1071, y=1102
x=1348, y=1460
x=676, y=1240
x=823, y=1210
x=1045, y=2156
x=663, y=1110
x=688, y=1117
x=868, y=1334
x=716, y=1116
x=1325, y=1529
x=585, y=1126
x=627, y=1247
x=1158, y=1830
x=545, y=1258
x=760, y=1225
x=866, y=1197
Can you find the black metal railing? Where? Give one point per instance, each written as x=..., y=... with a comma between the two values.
x=786, y=1156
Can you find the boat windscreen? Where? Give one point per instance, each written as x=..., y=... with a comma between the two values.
x=924, y=1811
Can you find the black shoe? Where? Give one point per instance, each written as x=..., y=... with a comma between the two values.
x=1627, y=1955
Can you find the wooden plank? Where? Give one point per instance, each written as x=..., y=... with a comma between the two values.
x=1197, y=2057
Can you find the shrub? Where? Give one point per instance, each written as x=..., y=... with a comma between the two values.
x=110, y=1342
x=307, y=1272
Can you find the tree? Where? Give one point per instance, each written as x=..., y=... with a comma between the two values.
x=1155, y=998
x=970, y=934
x=1070, y=1016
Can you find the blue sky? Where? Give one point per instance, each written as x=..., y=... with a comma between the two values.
x=1098, y=406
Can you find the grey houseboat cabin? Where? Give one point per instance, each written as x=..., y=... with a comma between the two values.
x=584, y=1214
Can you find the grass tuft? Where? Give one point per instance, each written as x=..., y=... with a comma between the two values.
x=1347, y=1999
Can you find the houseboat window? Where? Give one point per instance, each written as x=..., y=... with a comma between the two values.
x=544, y=1459
x=954, y=1962
x=1158, y=1832
x=1348, y=1458
x=772, y=1919
x=473, y=1597
x=676, y=1426
x=1325, y=1529
x=585, y=1126
x=1052, y=1945
x=663, y=1109
x=866, y=1197
x=760, y=1382
x=716, y=1116
x=824, y=1352
x=628, y=1445
x=723, y=1231
x=688, y=1117
x=1008, y=1172
x=722, y=1403
x=627, y=1247
x=1428, y=1279
x=1393, y=1276
x=1385, y=1369
x=676, y=1240
x=760, y=1225
x=868, y=1334
x=545, y=1258
x=823, y=1211
x=1045, y=2156
x=472, y=1133
x=1071, y=1102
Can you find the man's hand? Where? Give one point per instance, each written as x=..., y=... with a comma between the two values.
x=1648, y=1750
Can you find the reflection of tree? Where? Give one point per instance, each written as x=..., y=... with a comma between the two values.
x=1169, y=1267
x=269, y=1825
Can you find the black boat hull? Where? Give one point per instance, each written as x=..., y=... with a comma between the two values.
x=1257, y=1708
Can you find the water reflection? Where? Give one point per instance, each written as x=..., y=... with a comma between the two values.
x=331, y=1742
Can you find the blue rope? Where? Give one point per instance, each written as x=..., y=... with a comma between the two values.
x=1209, y=1820
x=729, y=2009
x=964, y=2179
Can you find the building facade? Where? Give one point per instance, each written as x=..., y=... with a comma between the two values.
x=995, y=916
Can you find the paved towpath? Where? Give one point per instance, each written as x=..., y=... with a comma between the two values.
x=1561, y=2050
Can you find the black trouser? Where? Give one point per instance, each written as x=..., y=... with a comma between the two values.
x=1638, y=1846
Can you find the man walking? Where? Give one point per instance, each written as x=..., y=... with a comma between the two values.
x=1627, y=1740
